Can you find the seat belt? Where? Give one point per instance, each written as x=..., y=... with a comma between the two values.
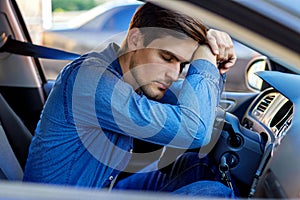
x=10, y=45
x=8, y=161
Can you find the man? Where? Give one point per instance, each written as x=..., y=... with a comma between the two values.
x=101, y=101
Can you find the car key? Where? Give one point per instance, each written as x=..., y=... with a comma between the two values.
x=224, y=169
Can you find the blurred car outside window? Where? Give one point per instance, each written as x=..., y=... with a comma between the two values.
x=116, y=19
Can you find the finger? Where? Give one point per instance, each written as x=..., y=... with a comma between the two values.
x=229, y=47
x=212, y=42
x=225, y=47
x=231, y=58
x=223, y=70
x=223, y=55
x=225, y=66
x=230, y=63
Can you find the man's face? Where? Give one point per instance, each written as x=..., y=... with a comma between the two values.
x=158, y=65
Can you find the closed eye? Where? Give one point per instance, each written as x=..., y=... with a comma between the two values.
x=168, y=58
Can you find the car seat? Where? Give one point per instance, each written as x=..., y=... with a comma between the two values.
x=15, y=139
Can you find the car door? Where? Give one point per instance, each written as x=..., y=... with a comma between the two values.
x=22, y=79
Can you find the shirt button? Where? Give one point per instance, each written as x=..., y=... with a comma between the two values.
x=111, y=178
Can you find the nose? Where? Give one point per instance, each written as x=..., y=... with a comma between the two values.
x=172, y=72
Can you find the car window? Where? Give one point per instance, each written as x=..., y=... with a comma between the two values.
x=116, y=20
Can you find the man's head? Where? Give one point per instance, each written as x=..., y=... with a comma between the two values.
x=158, y=43
x=171, y=23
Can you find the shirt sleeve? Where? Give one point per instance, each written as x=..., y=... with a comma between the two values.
x=104, y=101
x=171, y=94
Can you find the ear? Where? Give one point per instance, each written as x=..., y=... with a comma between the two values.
x=135, y=39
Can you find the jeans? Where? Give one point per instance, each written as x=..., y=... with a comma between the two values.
x=188, y=175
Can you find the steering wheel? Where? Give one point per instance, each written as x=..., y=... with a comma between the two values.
x=170, y=154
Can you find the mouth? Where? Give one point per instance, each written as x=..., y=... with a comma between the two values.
x=162, y=86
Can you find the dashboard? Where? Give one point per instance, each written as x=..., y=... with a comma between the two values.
x=279, y=173
x=266, y=127
x=270, y=114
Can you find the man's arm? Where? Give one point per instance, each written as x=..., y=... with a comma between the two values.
x=117, y=108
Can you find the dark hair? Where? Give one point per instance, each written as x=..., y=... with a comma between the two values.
x=168, y=22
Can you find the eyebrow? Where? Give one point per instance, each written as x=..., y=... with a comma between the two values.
x=175, y=56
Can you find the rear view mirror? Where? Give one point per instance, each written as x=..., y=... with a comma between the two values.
x=256, y=65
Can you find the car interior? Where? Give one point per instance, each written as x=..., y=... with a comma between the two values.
x=253, y=126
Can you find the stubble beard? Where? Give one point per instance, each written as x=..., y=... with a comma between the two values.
x=141, y=87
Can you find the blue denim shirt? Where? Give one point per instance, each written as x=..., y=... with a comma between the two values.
x=84, y=136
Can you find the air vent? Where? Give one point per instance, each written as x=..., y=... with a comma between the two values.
x=265, y=102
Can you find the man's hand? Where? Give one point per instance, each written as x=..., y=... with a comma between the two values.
x=221, y=45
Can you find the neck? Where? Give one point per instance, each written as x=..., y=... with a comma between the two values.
x=125, y=61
